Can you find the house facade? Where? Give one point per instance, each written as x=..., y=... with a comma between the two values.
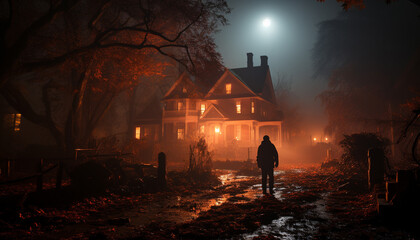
x=233, y=115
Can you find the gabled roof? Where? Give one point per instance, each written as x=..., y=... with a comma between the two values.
x=184, y=82
x=258, y=79
x=213, y=112
x=230, y=75
x=253, y=77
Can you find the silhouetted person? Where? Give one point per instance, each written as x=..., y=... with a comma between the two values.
x=266, y=158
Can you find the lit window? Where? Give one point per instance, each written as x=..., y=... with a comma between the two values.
x=228, y=88
x=179, y=106
x=238, y=107
x=184, y=90
x=203, y=108
x=252, y=107
x=180, y=134
x=238, y=132
x=137, y=132
x=13, y=121
x=18, y=118
x=202, y=128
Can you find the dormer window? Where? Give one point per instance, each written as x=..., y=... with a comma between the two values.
x=238, y=107
x=203, y=108
x=184, y=90
x=228, y=88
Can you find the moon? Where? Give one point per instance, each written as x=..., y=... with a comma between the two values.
x=266, y=22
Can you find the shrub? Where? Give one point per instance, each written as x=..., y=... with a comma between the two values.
x=356, y=147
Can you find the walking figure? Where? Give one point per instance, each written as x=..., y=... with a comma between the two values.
x=267, y=157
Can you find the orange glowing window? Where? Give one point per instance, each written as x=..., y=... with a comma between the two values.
x=202, y=129
x=18, y=119
x=238, y=107
x=180, y=134
x=228, y=88
x=179, y=106
x=184, y=90
x=203, y=108
x=137, y=132
x=252, y=107
x=14, y=121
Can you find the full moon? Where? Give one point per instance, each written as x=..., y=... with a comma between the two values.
x=266, y=22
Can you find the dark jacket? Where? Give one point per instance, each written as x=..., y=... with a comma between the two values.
x=267, y=155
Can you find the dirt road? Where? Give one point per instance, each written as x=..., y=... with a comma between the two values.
x=307, y=204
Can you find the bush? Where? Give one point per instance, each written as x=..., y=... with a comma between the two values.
x=356, y=148
x=200, y=158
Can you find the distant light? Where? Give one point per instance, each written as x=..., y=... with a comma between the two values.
x=266, y=22
x=315, y=139
x=326, y=139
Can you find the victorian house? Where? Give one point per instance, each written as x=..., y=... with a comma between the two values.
x=233, y=115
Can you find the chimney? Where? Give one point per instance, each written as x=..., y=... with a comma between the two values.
x=264, y=61
x=250, y=62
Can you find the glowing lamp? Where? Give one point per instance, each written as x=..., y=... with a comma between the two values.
x=326, y=139
x=314, y=138
x=217, y=130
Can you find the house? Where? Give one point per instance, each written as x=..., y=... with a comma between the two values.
x=233, y=115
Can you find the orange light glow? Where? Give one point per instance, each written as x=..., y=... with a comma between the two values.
x=314, y=138
x=326, y=139
x=217, y=130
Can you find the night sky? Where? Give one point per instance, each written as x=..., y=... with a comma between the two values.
x=290, y=39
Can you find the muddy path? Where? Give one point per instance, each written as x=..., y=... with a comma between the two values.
x=307, y=204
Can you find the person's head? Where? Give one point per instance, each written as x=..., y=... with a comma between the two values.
x=266, y=138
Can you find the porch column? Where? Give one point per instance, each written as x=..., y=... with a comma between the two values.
x=224, y=134
x=280, y=136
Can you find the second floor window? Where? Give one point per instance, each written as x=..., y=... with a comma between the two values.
x=179, y=106
x=180, y=134
x=238, y=107
x=228, y=88
x=137, y=132
x=252, y=107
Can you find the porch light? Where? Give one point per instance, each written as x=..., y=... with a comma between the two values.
x=217, y=130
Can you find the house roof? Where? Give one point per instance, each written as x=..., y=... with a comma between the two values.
x=184, y=82
x=255, y=78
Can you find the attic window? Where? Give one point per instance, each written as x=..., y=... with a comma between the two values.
x=203, y=108
x=184, y=90
x=228, y=88
x=238, y=107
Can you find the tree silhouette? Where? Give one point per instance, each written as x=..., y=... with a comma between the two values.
x=74, y=57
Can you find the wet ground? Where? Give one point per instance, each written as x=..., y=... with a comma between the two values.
x=307, y=204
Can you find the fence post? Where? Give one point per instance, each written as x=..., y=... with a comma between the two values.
x=8, y=168
x=161, y=170
x=59, y=174
x=39, y=178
